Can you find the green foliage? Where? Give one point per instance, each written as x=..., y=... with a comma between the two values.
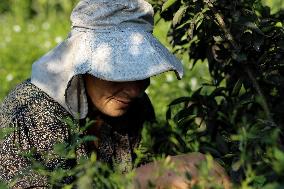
x=237, y=116
x=29, y=28
x=230, y=103
x=87, y=173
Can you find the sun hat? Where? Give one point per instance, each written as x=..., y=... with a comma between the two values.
x=109, y=39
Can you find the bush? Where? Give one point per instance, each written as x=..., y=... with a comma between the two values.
x=237, y=116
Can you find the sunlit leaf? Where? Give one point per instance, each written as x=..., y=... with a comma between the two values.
x=237, y=87
x=179, y=14
x=236, y=165
x=168, y=4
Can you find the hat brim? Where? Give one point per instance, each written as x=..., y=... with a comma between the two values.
x=125, y=55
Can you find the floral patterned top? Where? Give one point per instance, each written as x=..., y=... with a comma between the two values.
x=31, y=121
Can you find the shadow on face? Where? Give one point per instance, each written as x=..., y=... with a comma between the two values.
x=114, y=98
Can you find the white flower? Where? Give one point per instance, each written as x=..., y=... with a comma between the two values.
x=9, y=77
x=47, y=44
x=17, y=28
x=45, y=26
x=31, y=28
x=8, y=39
x=169, y=77
x=58, y=39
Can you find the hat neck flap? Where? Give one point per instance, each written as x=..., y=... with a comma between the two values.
x=57, y=74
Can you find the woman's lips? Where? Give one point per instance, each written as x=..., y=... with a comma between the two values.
x=123, y=101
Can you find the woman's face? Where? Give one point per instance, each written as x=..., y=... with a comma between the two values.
x=114, y=98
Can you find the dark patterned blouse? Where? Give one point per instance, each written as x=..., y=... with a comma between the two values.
x=31, y=121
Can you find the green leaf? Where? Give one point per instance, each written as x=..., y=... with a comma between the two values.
x=211, y=150
x=218, y=38
x=237, y=165
x=4, y=132
x=168, y=4
x=179, y=14
x=182, y=114
x=3, y=185
x=279, y=155
x=220, y=91
x=253, y=26
x=69, y=186
x=273, y=185
x=89, y=138
x=179, y=100
x=279, y=25
x=186, y=119
x=168, y=113
x=259, y=181
x=198, y=20
x=184, y=24
x=61, y=148
x=237, y=87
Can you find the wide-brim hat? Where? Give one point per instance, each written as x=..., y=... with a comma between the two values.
x=111, y=40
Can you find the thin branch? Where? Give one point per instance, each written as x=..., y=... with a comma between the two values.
x=260, y=93
x=220, y=21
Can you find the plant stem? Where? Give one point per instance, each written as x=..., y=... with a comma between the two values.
x=260, y=93
x=220, y=21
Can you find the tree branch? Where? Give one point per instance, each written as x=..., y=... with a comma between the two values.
x=220, y=21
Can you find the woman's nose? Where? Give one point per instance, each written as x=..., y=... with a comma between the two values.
x=136, y=88
x=133, y=89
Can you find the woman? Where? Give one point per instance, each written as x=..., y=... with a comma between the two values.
x=101, y=72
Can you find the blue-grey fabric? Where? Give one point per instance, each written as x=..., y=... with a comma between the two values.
x=109, y=39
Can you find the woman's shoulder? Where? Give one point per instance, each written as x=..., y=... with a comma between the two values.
x=34, y=116
x=25, y=93
x=29, y=101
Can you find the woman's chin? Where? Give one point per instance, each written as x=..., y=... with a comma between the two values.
x=117, y=112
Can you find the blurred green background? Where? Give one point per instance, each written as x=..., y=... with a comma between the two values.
x=30, y=28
